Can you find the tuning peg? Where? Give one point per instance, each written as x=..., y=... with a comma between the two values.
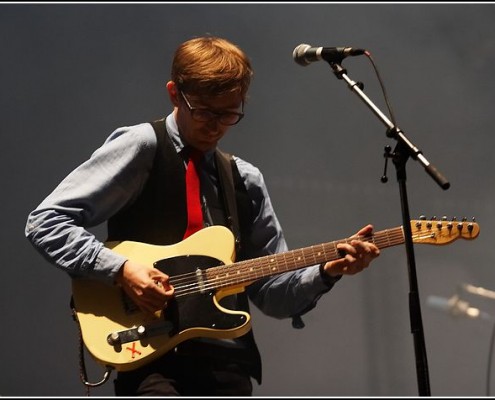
x=470, y=225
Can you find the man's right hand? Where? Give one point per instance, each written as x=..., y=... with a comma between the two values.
x=148, y=287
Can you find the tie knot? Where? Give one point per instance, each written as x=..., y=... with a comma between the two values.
x=194, y=154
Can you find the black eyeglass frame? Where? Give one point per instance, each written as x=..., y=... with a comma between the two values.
x=208, y=115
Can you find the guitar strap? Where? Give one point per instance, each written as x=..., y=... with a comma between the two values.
x=225, y=164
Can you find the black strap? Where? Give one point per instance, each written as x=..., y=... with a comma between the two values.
x=229, y=195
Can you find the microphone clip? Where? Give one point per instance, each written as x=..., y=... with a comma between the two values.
x=388, y=154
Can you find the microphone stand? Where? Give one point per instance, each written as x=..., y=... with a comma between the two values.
x=403, y=150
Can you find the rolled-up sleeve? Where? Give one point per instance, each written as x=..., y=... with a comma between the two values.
x=111, y=178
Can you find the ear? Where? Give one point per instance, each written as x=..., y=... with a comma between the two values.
x=173, y=93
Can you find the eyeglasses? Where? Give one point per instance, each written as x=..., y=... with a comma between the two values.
x=205, y=115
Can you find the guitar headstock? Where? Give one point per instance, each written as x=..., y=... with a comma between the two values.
x=441, y=231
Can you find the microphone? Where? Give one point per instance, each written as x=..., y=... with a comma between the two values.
x=456, y=307
x=304, y=54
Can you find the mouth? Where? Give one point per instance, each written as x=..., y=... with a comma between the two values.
x=209, y=136
x=208, y=142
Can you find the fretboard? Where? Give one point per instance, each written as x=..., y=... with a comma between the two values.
x=257, y=268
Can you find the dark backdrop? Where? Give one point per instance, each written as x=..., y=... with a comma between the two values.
x=70, y=74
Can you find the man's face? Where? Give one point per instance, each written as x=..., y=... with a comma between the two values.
x=203, y=121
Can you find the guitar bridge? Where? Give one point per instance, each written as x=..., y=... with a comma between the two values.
x=200, y=280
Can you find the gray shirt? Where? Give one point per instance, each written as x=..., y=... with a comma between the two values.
x=113, y=177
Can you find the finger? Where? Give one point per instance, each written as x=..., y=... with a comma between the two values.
x=355, y=250
x=365, y=231
x=365, y=247
x=361, y=248
x=345, y=248
x=149, y=298
x=162, y=279
x=165, y=289
x=157, y=283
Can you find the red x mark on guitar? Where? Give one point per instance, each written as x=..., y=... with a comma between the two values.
x=133, y=350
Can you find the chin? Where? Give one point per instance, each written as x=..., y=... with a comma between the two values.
x=208, y=146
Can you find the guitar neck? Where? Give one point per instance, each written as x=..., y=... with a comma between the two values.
x=257, y=268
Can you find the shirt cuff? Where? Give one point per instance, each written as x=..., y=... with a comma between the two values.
x=108, y=263
x=327, y=279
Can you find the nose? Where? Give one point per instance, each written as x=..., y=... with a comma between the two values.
x=213, y=125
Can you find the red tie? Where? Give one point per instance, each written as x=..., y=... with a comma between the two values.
x=194, y=211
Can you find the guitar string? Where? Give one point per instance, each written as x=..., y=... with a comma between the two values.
x=384, y=240
x=272, y=268
x=178, y=279
x=187, y=284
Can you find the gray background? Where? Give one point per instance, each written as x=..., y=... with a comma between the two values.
x=71, y=74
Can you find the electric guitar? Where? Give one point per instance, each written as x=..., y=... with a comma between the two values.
x=201, y=269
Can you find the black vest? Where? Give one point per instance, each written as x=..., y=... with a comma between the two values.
x=163, y=198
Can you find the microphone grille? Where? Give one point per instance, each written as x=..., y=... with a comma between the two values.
x=299, y=54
